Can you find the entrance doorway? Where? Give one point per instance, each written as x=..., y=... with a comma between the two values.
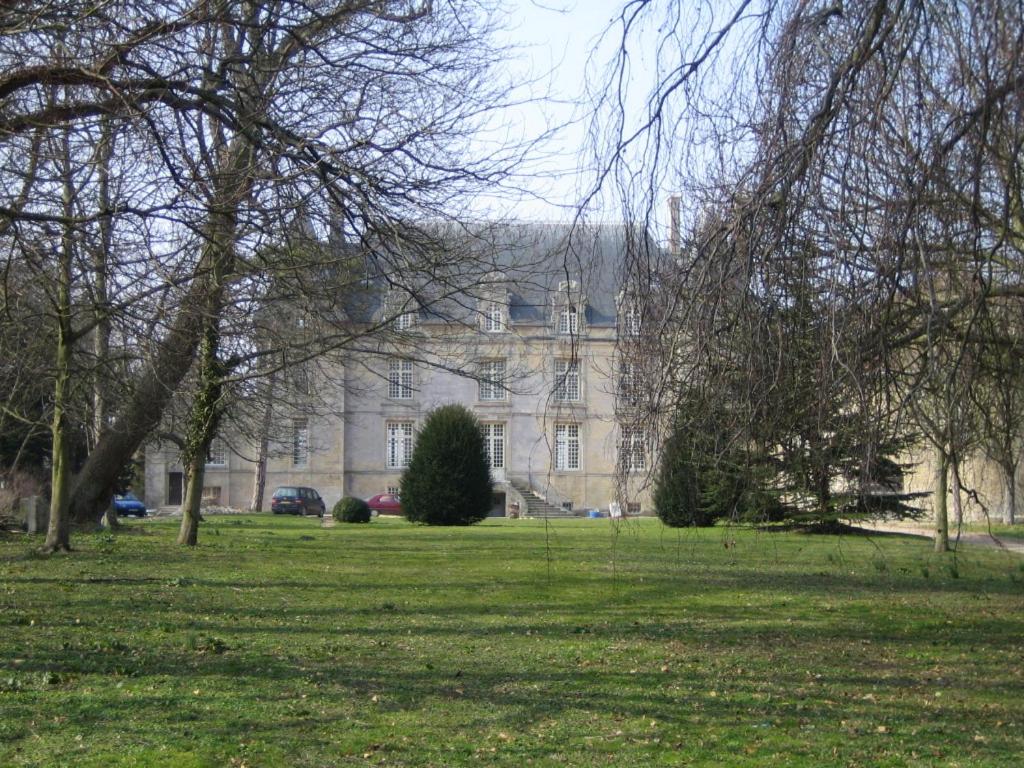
x=498, y=506
x=175, y=484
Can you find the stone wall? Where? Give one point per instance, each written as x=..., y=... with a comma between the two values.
x=979, y=475
x=34, y=513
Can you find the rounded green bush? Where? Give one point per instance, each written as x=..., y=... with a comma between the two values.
x=351, y=510
x=448, y=480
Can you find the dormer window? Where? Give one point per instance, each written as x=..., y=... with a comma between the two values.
x=630, y=315
x=405, y=321
x=493, y=303
x=494, y=317
x=569, y=304
x=400, y=307
x=569, y=321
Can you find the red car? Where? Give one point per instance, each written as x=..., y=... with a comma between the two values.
x=385, y=504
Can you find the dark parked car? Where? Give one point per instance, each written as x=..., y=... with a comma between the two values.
x=385, y=504
x=129, y=504
x=297, y=500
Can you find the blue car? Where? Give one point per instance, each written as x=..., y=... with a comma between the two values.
x=129, y=504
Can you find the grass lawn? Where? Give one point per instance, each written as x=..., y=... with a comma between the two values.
x=279, y=643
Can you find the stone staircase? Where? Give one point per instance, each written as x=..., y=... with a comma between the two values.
x=536, y=505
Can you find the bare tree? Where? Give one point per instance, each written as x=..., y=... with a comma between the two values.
x=1000, y=399
x=363, y=111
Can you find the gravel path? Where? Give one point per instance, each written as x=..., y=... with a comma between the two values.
x=981, y=539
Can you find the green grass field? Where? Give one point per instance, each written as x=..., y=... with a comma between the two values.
x=280, y=643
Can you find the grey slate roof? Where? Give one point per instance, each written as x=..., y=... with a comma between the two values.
x=528, y=260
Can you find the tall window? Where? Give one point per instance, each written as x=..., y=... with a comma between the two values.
x=300, y=378
x=399, y=434
x=492, y=378
x=494, y=443
x=569, y=321
x=567, y=446
x=567, y=381
x=629, y=385
x=300, y=442
x=494, y=317
x=400, y=379
x=218, y=455
x=631, y=321
x=633, y=450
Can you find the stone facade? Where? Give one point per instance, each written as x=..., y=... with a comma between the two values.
x=533, y=355
x=985, y=495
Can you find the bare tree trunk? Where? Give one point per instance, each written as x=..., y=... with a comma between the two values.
x=824, y=494
x=259, y=485
x=101, y=334
x=260, y=477
x=939, y=500
x=1010, y=509
x=203, y=421
x=958, y=509
x=195, y=473
x=58, y=532
x=110, y=517
x=141, y=414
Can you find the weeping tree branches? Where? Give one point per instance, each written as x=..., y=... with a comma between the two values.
x=879, y=144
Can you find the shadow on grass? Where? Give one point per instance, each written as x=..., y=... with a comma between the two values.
x=333, y=641
x=303, y=695
x=879, y=578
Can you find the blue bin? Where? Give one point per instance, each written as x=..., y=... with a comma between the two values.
x=594, y=513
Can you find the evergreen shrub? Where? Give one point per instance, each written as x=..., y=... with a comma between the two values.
x=448, y=480
x=699, y=483
x=677, y=496
x=351, y=510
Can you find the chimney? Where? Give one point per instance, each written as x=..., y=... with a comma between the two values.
x=335, y=225
x=673, y=225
